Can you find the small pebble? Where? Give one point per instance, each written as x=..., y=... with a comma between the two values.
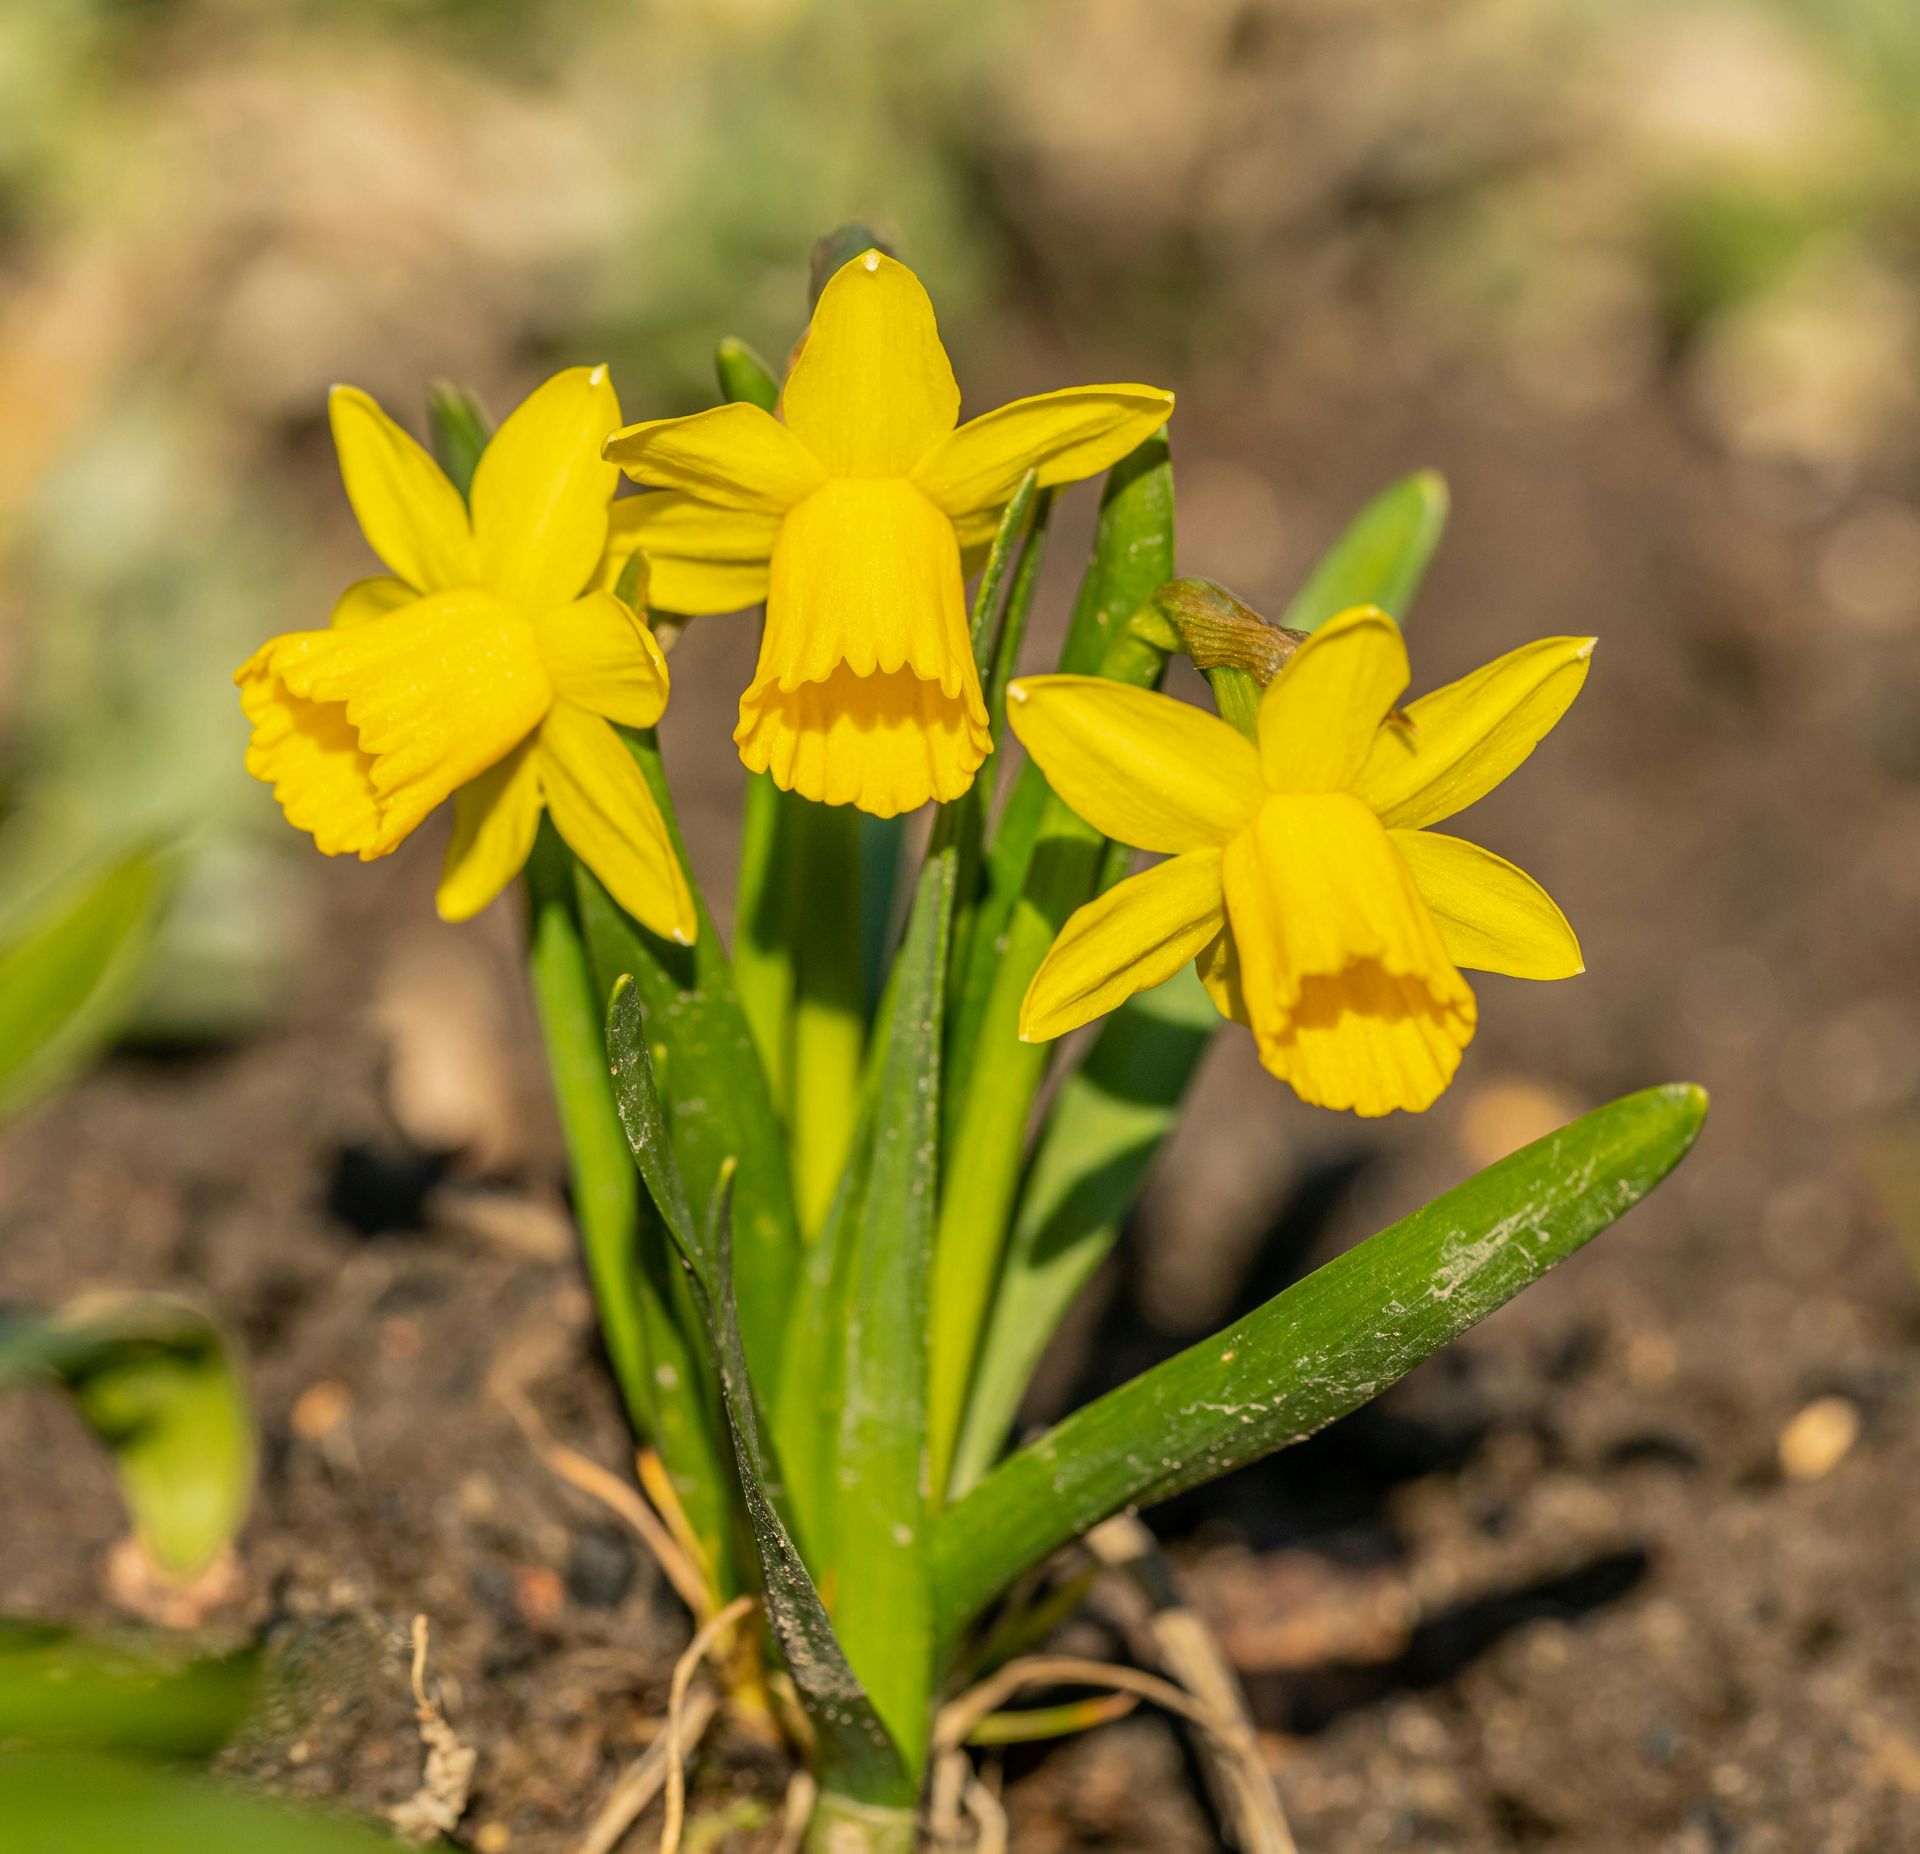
x=1817, y=1440
x=320, y=1409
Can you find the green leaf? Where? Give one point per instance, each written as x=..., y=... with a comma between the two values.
x=68, y=972
x=1106, y=1127
x=855, y=1753
x=636, y=1282
x=1322, y=1348
x=145, y=1693
x=1381, y=556
x=460, y=429
x=77, y=1802
x=159, y=1385
x=716, y=1091
x=744, y=376
x=1044, y=863
x=885, y=1608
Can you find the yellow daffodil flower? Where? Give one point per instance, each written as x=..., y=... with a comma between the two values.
x=1302, y=879
x=481, y=668
x=850, y=515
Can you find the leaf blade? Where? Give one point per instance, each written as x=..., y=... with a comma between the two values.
x=1316, y=1351
x=1380, y=557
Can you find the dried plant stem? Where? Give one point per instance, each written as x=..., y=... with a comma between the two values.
x=1242, y=1787
x=611, y=1491
x=643, y=1779
x=684, y=1670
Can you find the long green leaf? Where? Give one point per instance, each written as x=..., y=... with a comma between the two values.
x=144, y=1693
x=1105, y=1130
x=715, y=1088
x=158, y=1383
x=856, y=1754
x=635, y=1280
x=1324, y=1347
x=78, y=1802
x=1380, y=557
x=999, y=1076
x=885, y=1608
x=68, y=971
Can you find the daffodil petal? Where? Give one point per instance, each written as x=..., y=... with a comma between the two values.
x=495, y=818
x=700, y=558
x=1064, y=436
x=601, y=804
x=872, y=391
x=412, y=516
x=734, y=456
x=370, y=598
x=602, y=657
x=436, y=693
x=541, y=490
x=1468, y=736
x=1344, y=976
x=1319, y=715
x=1140, y=767
x=1492, y=917
x=866, y=692
x=310, y=755
x=1218, y=966
x=1139, y=933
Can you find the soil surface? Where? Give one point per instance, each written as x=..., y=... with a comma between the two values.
x=1632, y=1567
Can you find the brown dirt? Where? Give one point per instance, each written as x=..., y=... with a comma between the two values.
x=1555, y=1592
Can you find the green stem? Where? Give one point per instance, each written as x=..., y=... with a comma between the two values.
x=762, y=955
x=829, y=1004
x=661, y=1379
x=982, y=1169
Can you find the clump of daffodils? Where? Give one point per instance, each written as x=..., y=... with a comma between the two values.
x=860, y=1209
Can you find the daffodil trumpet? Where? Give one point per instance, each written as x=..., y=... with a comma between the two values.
x=853, y=514
x=1301, y=877
x=489, y=665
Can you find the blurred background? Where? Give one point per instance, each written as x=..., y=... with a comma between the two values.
x=1633, y=1567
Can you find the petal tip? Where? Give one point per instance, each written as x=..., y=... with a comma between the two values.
x=1586, y=648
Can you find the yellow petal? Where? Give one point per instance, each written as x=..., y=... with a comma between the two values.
x=1138, y=766
x=1492, y=917
x=602, y=657
x=735, y=456
x=412, y=516
x=700, y=558
x=1064, y=435
x=494, y=822
x=1139, y=933
x=886, y=744
x=872, y=391
x=436, y=693
x=866, y=691
x=1343, y=973
x=601, y=804
x=370, y=598
x=1467, y=737
x=1320, y=714
x=541, y=489
x=1219, y=968
x=310, y=755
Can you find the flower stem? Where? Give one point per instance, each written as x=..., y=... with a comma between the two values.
x=829, y=1002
